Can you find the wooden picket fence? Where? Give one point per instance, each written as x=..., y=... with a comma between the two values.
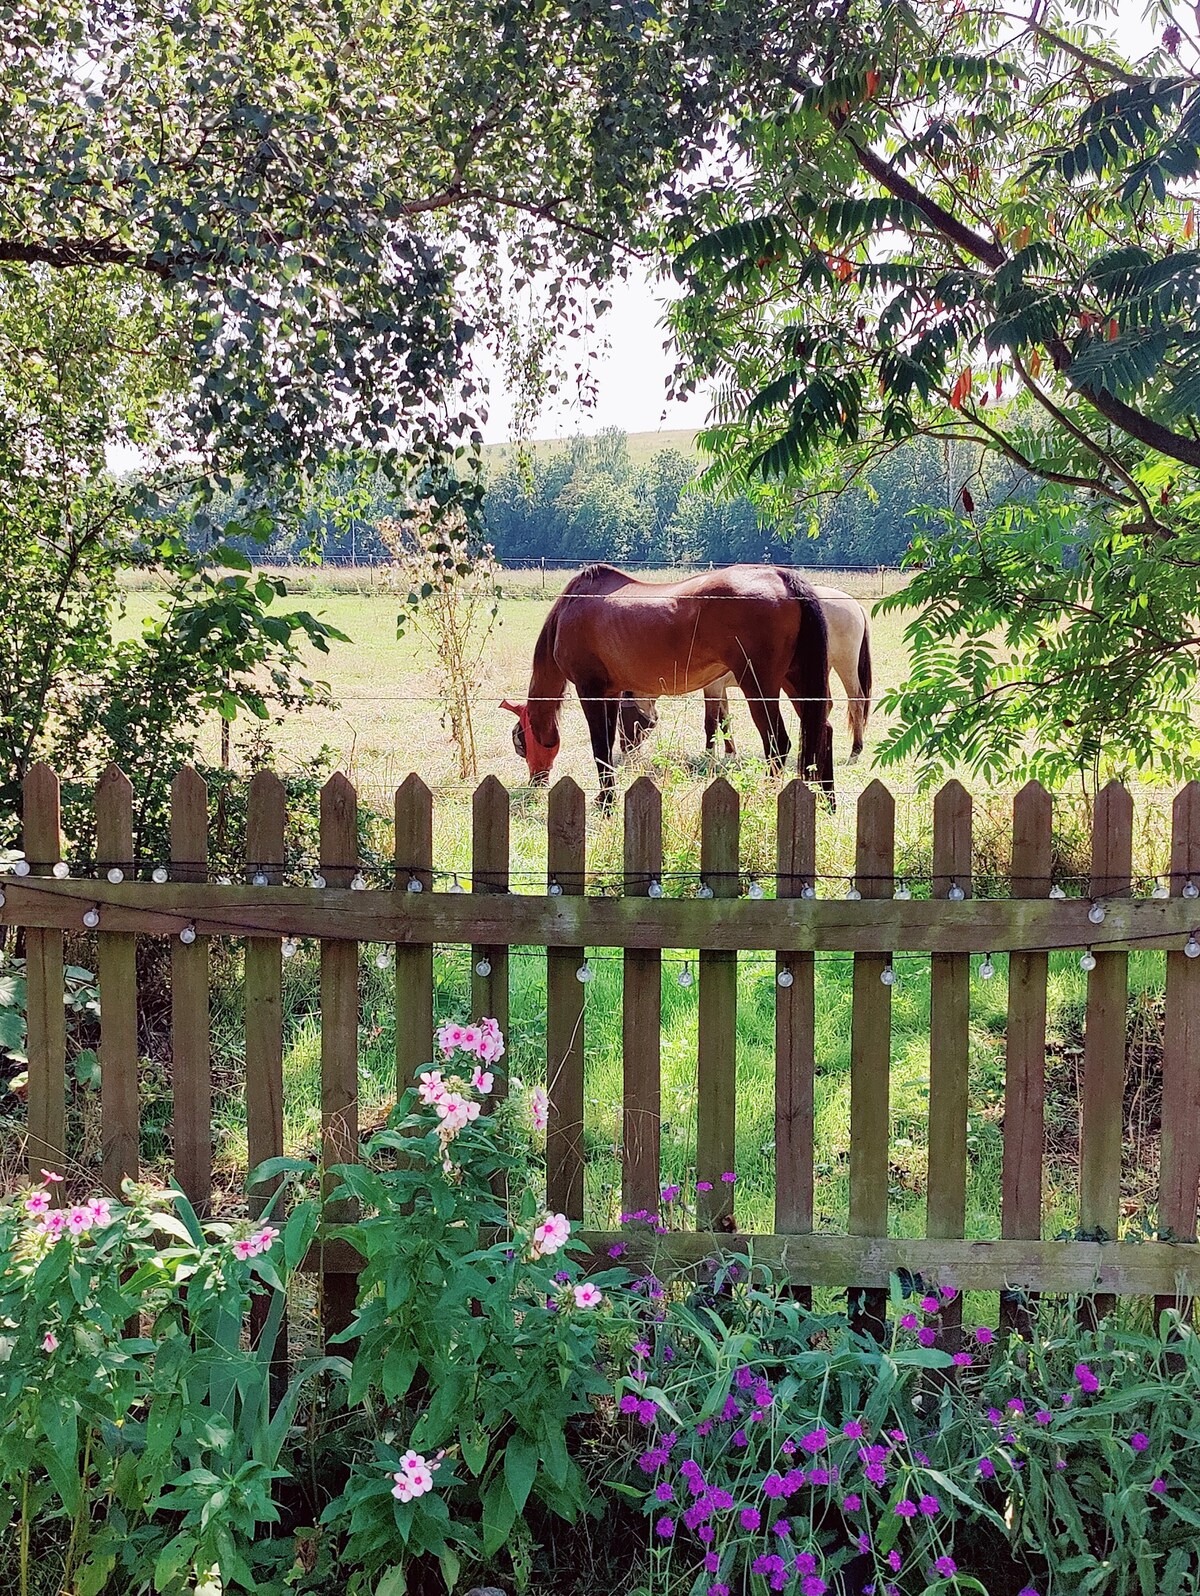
x=796, y=923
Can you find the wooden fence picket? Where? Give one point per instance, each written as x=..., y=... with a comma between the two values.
x=716, y=1104
x=46, y=1024
x=871, y=1050
x=489, y=874
x=1102, y=1119
x=117, y=970
x=414, y=960
x=1025, y=1066
x=1179, y=1151
x=795, y=1020
x=641, y=1010
x=949, y=1044
x=566, y=870
x=339, y=1034
x=191, y=1068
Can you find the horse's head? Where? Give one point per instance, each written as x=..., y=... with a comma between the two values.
x=538, y=756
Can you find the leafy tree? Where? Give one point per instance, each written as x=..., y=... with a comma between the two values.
x=980, y=229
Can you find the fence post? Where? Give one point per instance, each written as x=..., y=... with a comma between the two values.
x=566, y=843
x=117, y=967
x=716, y=1108
x=265, y=820
x=641, y=1011
x=1103, y=1116
x=795, y=1023
x=414, y=960
x=870, y=1053
x=489, y=873
x=949, y=1045
x=339, y=1036
x=191, y=1073
x=1179, y=1152
x=1025, y=1066
x=46, y=1033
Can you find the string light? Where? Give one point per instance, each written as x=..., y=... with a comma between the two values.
x=2, y=900
x=685, y=976
x=705, y=890
x=116, y=875
x=1096, y=913
x=383, y=959
x=91, y=918
x=160, y=874
x=1190, y=889
x=754, y=890
x=654, y=890
x=259, y=879
x=784, y=978
x=903, y=892
x=1161, y=890
x=359, y=883
x=318, y=881
x=1191, y=947
x=456, y=886
x=188, y=935
x=61, y=870
x=415, y=884
x=987, y=969
x=956, y=893
x=1088, y=961
x=484, y=967
x=808, y=890
x=224, y=881
x=1057, y=892
x=21, y=868
x=888, y=975
x=853, y=894
x=555, y=889
x=289, y=947
x=585, y=973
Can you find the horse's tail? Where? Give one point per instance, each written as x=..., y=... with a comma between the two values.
x=810, y=674
x=864, y=669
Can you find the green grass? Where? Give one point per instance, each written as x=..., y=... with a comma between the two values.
x=387, y=723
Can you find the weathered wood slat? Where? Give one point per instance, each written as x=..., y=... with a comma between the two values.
x=949, y=1044
x=117, y=971
x=265, y=823
x=46, y=1025
x=795, y=1021
x=414, y=961
x=191, y=1069
x=565, y=868
x=339, y=1034
x=519, y=919
x=870, y=1052
x=489, y=878
x=716, y=1104
x=641, y=1009
x=1025, y=1070
x=1179, y=1153
x=1102, y=1119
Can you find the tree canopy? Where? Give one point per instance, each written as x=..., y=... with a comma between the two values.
x=980, y=227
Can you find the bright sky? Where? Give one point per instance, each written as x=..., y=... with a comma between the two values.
x=631, y=377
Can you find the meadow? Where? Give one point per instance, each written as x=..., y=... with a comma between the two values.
x=385, y=721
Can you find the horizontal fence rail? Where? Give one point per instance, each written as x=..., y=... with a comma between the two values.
x=793, y=916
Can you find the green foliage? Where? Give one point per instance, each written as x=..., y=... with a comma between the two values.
x=982, y=232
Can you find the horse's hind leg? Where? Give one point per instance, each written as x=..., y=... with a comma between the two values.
x=768, y=717
x=712, y=718
x=856, y=715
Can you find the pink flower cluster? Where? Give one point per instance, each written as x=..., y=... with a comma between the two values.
x=482, y=1041
x=76, y=1220
x=539, y=1108
x=414, y=1477
x=454, y=1109
x=551, y=1234
x=259, y=1241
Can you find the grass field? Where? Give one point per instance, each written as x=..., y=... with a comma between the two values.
x=386, y=723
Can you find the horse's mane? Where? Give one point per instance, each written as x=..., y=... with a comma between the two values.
x=597, y=575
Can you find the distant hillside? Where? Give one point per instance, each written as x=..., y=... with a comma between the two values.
x=641, y=446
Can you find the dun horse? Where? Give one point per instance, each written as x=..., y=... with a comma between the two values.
x=849, y=657
x=608, y=633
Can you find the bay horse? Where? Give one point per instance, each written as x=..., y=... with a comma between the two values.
x=609, y=633
x=849, y=656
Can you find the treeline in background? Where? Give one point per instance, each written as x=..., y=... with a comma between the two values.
x=637, y=500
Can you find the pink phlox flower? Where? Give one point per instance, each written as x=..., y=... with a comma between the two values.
x=48, y=1174
x=244, y=1248
x=38, y=1202
x=455, y=1111
x=588, y=1295
x=79, y=1220
x=482, y=1080
x=431, y=1088
x=100, y=1211
x=539, y=1108
x=450, y=1038
x=264, y=1238
x=472, y=1035
x=53, y=1224
x=551, y=1235
x=489, y=1047
x=50, y=1342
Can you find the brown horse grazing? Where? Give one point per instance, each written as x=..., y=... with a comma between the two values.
x=849, y=657
x=609, y=633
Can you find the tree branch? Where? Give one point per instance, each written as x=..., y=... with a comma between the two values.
x=83, y=252
x=983, y=249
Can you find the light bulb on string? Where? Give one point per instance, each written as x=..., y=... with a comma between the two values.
x=685, y=976
x=383, y=959
x=1190, y=889
x=91, y=918
x=259, y=879
x=289, y=947
x=808, y=890
x=888, y=975
x=585, y=973
x=318, y=881
x=784, y=978
x=415, y=884
x=224, y=881
x=1057, y=893
x=160, y=873
x=987, y=969
x=456, y=886
x=21, y=868
x=1088, y=961
x=116, y=875
x=555, y=889
x=655, y=889
x=705, y=890
x=956, y=893
x=61, y=870
x=359, y=883
x=2, y=898
x=853, y=895
x=188, y=935
x=903, y=892
x=1096, y=913
x=484, y=968
x=1191, y=947
x=755, y=890
x=1161, y=890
